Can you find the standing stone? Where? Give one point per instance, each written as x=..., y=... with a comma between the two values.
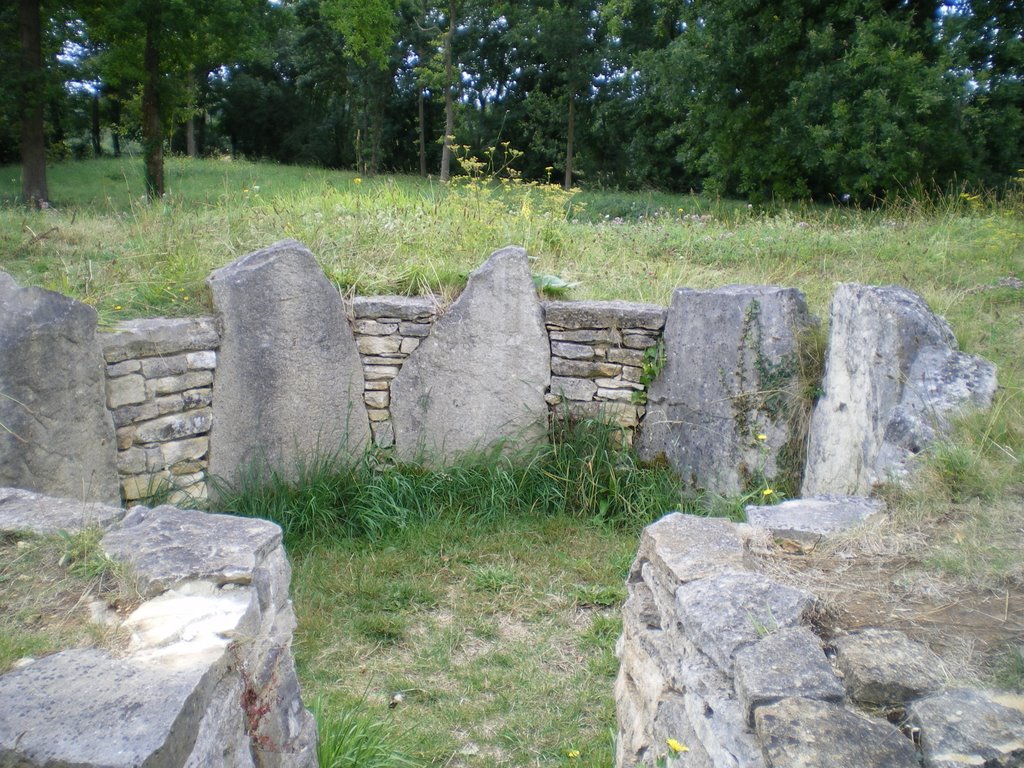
x=56, y=435
x=479, y=378
x=893, y=379
x=289, y=382
x=723, y=409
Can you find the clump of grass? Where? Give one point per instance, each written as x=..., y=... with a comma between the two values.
x=350, y=737
x=583, y=472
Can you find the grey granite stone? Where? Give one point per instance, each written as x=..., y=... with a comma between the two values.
x=812, y=519
x=28, y=511
x=963, y=727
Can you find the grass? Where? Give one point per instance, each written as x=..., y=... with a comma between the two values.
x=46, y=586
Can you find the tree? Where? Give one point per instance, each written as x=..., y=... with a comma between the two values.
x=32, y=94
x=159, y=44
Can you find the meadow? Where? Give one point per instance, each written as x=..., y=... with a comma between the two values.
x=463, y=618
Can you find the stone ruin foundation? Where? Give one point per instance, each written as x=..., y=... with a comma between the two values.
x=713, y=655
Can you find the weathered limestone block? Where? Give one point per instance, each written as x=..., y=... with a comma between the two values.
x=22, y=510
x=577, y=315
x=786, y=663
x=723, y=409
x=799, y=733
x=481, y=375
x=126, y=390
x=175, y=426
x=893, y=379
x=56, y=437
x=810, y=520
x=149, y=713
x=167, y=546
x=963, y=727
x=755, y=606
x=160, y=336
x=884, y=667
x=289, y=379
x=401, y=308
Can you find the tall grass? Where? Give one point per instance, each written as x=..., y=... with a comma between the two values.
x=584, y=472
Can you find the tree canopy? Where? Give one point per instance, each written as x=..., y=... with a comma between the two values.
x=848, y=99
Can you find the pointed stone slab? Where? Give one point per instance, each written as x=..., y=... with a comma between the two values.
x=479, y=378
x=289, y=380
x=56, y=435
x=723, y=409
x=893, y=379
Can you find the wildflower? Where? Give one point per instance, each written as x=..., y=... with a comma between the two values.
x=118, y=307
x=677, y=747
x=762, y=437
x=357, y=180
x=573, y=754
x=767, y=491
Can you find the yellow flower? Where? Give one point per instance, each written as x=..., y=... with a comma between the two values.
x=573, y=754
x=357, y=180
x=676, y=747
x=767, y=492
x=762, y=437
x=118, y=306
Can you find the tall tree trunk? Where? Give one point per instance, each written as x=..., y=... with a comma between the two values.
x=152, y=125
x=97, y=147
x=423, y=137
x=114, y=99
x=449, y=96
x=190, y=138
x=33, y=139
x=569, y=141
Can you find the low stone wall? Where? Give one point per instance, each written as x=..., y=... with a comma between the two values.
x=207, y=677
x=160, y=394
x=720, y=660
x=286, y=372
x=597, y=358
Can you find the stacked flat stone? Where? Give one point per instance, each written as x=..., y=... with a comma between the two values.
x=387, y=330
x=597, y=357
x=159, y=392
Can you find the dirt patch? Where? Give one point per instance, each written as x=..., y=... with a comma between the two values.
x=883, y=576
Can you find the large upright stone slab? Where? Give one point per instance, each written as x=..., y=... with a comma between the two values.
x=479, y=378
x=893, y=379
x=289, y=380
x=722, y=410
x=56, y=435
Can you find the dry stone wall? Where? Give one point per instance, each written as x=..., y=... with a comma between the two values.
x=160, y=395
x=287, y=370
x=206, y=678
x=721, y=659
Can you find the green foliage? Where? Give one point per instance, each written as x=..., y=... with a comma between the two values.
x=583, y=472
x=653, y=363
x=351, y=737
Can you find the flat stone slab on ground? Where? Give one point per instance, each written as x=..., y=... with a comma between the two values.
x=721, y=614
x=150, y=712
x=811, y=519
x=683, y=548
x=963, y=727
x=883, y=667
x=802, y=733
x=28, y=511
x=167, y=546
x=782, y=665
